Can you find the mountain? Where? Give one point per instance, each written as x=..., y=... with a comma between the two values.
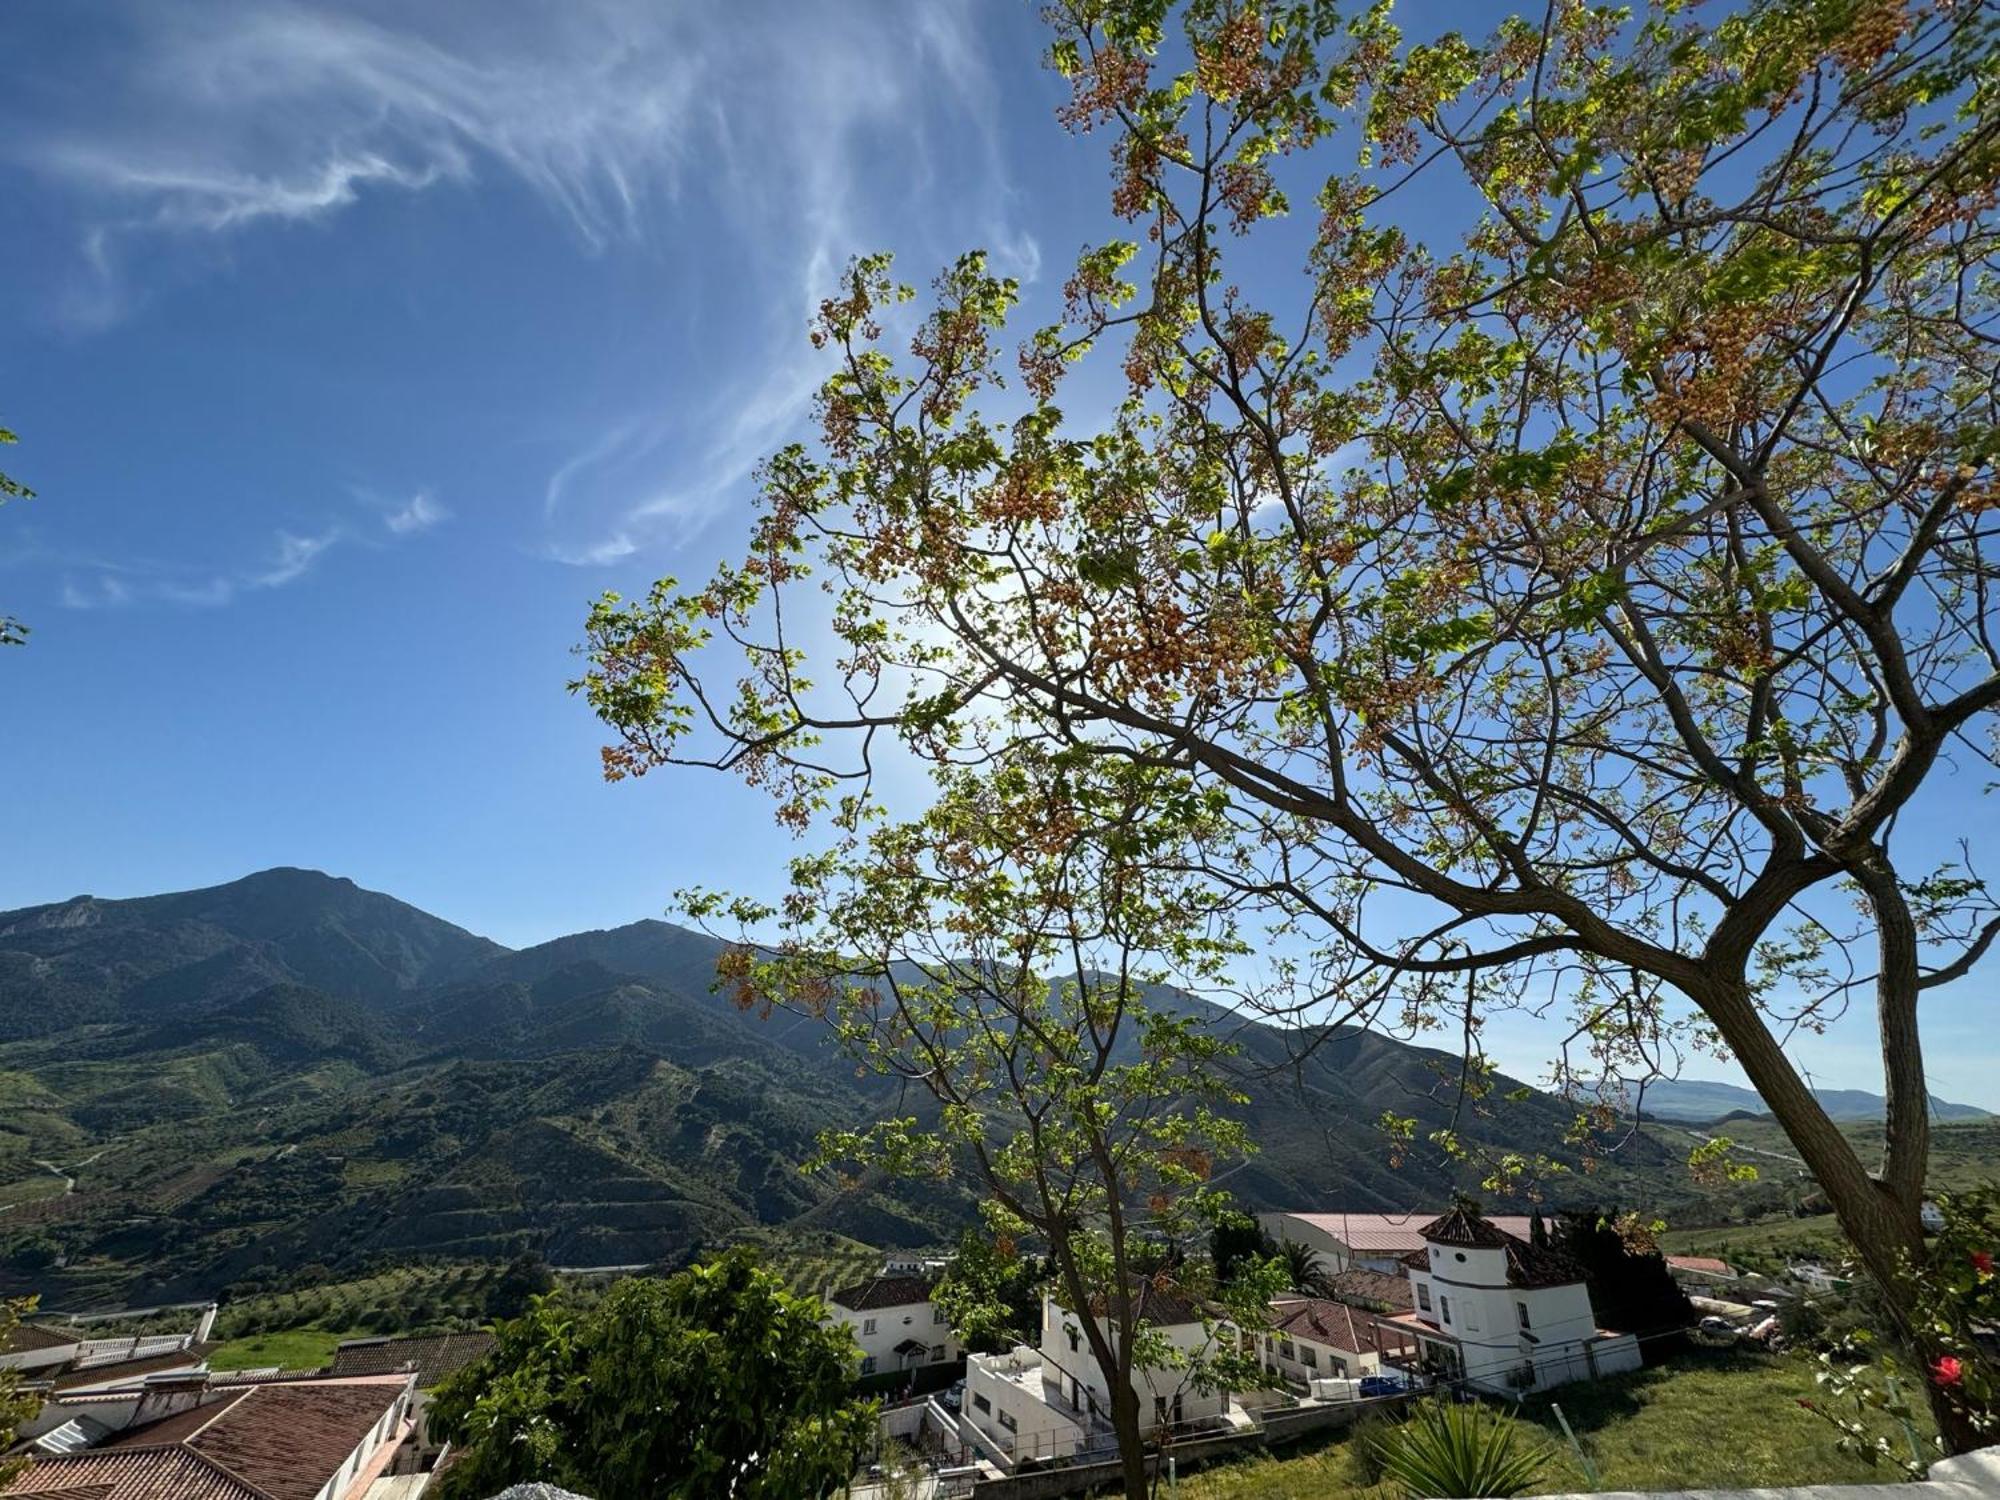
x=1700, y=1100
x=87, y=959
x=289, y=1072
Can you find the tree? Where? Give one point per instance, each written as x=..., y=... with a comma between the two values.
x=715, y=1383
x=1631, y=1287
x=991, y=1294
x=1562, y=595
x=1014, y=975
x=17, y=1402
x=525, y=1277
x=12, y=631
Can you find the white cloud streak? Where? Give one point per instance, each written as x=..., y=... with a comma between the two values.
x=784, y=137
x=420, y=513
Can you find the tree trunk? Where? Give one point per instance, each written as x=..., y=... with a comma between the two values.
x=1881, y=1220
x=1131, y=1441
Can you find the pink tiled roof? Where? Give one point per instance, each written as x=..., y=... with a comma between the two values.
x=1394, y=1234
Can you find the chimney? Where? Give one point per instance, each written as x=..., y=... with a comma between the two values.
x=163, y=1395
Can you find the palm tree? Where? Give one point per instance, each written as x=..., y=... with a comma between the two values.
x=1302, y=1272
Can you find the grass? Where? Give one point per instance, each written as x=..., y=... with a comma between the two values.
x=1763, y=1247
x=1718, y=1421
x=293, y=1349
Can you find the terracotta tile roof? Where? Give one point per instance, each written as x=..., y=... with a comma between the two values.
x=1533, y=1266
x=1333, y=1324
x=260, y=1442
x=130, y=1474
x=132, y=1369
x=1376, y=1290
x=1391, y=1234
x=884, y=1291
x=1467, y=1227
x=433, y=1357
x=1700, y=1263
x=1156, y=1302
x=24, y=1337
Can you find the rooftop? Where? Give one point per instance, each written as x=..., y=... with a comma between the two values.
x=263, y=1442
x=1377, y=1290
x=1391, y=1234
x=24, y=1338
x=114, y=1372
x=433, y=1357
x=884, y=1291
x=1335, y=1324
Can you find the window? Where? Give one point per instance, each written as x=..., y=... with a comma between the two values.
x=1074, y=1339
x=1340, y=1367
x=1160, y=1410
x=1444, y=1308
x=937, y=1352
x=868, y=1365
x=867, y=1325
x=1522, y=1309
x=1309, y=1355
x=1007, y=1421
x=980, y=1403
x=1285, y=1349
x=1423, y=1297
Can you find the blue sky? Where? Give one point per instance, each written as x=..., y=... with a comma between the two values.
x=354, y=348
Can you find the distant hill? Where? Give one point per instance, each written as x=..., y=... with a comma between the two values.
x=289, y=1071
x=1700, y=1100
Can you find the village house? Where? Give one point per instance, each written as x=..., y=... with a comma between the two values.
x=895, y=1323
x=1055, y=1401
x=63, y=1359
x=1504, y=1314
x=1314, y=1339
x=185, y=1437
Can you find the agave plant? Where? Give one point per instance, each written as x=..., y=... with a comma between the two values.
x=1451, y=1452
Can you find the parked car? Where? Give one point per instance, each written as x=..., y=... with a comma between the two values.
x=1380, y=1385
x=952, y=1395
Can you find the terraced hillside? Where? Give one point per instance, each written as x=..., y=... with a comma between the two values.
x=230, y=1088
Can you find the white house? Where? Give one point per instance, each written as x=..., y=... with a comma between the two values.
x=895, y=1322
x=1311, y=1338
x=1055, y=1401
x=1505, y=1314
x=1374, y=1242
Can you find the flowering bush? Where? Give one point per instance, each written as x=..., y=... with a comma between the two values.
x=1958, y=1299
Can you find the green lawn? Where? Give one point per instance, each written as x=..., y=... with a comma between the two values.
x=1767, y=1247
x=1720, y=1421
x=292, y=1349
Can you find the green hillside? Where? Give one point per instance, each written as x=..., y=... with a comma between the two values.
x=288, y=1075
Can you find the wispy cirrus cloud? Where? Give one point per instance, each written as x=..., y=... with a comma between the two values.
x=765, y=137
x=105, y=584
x=288, y=556
x=419, y=513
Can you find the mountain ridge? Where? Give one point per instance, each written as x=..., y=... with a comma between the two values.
x=253, y=1079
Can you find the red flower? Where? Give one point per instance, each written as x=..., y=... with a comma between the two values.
x=1807, y=1404
x=1982, y=1262
x=1948, y=1371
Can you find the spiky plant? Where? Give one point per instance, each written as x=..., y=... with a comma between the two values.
x=1302, y=1268
x=1452, y=1452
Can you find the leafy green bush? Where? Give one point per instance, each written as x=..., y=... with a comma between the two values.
x=1452, y=1452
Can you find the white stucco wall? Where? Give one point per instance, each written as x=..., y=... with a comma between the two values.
x=879, y=1330
x=1065, y=1347
x=1328, y=1360
x=1015, y=1411
x=1559, y=1341
x=1329, y=1253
